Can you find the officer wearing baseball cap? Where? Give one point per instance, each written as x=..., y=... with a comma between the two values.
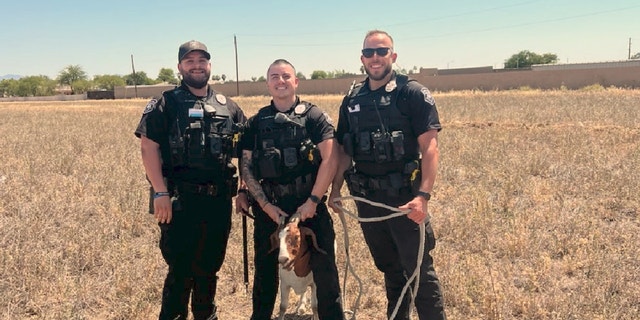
x=190, y=46
x=187, y=139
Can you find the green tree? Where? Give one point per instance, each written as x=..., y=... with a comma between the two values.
x=636, y=56
x=362, y=70
x=224, y=77
x=526, y=58
x=300, y=76
x=108, y=81
x=139, y=78
x=7, y=87
x=71, y=74
x=81, y=86
x=262, y=78
x=34, y=86
x=319, y=74
x=167, y=75
x=343, y=74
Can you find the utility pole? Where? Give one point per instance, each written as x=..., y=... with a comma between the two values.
x=629, y=58
x=135, y=82
x=235, y=45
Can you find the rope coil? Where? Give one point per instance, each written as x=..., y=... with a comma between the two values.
x=395, y=213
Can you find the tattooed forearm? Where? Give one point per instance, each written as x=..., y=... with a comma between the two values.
x=249, y=179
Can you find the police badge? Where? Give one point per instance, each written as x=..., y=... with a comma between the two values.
x=391, y=85
x=300, y=109
x=221, y=99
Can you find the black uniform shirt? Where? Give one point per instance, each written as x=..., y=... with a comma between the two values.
x=414, y=101
x=156, y=121
x=317, y=125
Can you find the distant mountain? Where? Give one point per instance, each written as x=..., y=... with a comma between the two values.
x=10, y=76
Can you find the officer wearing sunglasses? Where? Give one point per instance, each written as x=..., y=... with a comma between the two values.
x=387, y=132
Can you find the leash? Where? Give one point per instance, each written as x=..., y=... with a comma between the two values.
x=349, y=268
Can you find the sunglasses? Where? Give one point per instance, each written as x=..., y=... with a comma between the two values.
x=381, y=52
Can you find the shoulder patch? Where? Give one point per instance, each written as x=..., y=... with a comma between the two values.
x=427, y=96
x=221, y=99
x=327, y=117
x=150, y=106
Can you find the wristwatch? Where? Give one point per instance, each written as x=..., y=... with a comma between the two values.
x=425, y=195
x=314, y=199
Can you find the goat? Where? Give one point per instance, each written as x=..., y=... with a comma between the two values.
x=293, y=265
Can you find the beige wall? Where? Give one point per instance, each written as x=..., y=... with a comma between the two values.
x=475, y=79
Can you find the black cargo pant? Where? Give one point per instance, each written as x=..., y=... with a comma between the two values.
x=394, y=246
x=193, y=245
x=323, y=266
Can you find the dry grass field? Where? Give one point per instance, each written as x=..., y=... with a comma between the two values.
x=535, y=208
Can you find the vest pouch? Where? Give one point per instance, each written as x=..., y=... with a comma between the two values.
x=290, y=156
x=176, y=147
x=347, y=143
x=196, y=155
x=381, y=146
x=397, y=142
x=269, y=163
x=215, y=146
x=364, y=143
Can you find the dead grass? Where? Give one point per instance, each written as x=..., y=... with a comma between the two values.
x=535, y=210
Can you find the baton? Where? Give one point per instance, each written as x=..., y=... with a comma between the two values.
x=245, y=251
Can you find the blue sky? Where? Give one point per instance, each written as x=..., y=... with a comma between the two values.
x=43, y=37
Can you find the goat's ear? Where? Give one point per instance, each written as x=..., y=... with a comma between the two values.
x=304, y=231
x=275, y=243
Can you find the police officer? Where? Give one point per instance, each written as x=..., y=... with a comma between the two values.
x=187, y=142
x=287, y=164
x=388, y=126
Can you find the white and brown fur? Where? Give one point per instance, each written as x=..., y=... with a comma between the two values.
x=293, y=265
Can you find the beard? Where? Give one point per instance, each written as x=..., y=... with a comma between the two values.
x=384, y=73
x=198, y=81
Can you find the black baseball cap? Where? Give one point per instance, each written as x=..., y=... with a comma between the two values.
x=192, y=45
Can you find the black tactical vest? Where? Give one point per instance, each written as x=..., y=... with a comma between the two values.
x=380, y=134
x=204, y=134
x=283, y=150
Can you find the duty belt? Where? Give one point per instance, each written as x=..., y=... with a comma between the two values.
x=300, y=187
x=393, y=183
x=210, y=189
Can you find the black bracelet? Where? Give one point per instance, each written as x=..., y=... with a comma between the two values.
x=314, y=199
x=160, y=194
x=425, y=195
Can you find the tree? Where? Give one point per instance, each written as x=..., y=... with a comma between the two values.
x=34, y=86
x=167, y=75
x=636, y=56
x=71, y=74
x=108, y=82
x=319, y=74
x=300, y=76
x=6, y=87
x=362, y=70
x=526, y=58
x=138, y=78
x=224, y=77
x=81, y=86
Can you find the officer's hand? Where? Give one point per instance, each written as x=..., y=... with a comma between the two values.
x=419, y=209
x=274, y=212
x=162, y=209
x=334, y=204
x=307, y=210
x=242, y=203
